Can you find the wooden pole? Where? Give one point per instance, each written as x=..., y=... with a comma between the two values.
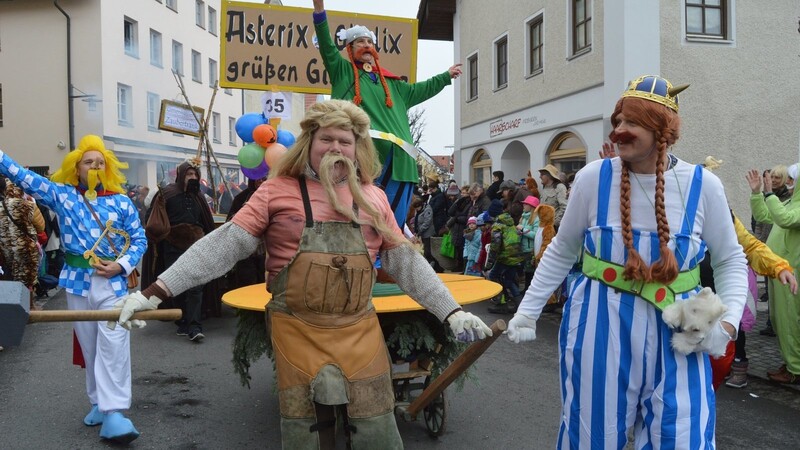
x=456, y=368
x=100, y=315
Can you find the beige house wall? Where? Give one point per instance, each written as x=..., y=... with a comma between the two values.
x=742, y=105
x=482, y=23
x=33, y=37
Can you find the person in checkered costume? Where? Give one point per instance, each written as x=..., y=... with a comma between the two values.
x=86, y=192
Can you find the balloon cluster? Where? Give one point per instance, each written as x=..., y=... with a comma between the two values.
x=263, y=146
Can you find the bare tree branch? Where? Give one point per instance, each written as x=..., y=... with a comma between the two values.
x=416, y=122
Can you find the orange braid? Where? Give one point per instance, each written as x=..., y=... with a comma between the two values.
x=665, y=270
x=357, y=97
x=635, y=268
x=383, y=83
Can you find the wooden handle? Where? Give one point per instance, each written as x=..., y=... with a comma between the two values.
x=100, y=315
x=456, y=368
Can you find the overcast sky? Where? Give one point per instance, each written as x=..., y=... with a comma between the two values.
x=433, y=57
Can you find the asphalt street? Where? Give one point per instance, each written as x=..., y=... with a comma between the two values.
x=186, y=396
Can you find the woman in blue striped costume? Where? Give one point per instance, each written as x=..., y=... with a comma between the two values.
x=641, y=223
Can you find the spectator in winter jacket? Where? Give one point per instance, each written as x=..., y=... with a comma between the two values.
x=505, y=251
x=493, y=191
x=472, y=247
x=528, y=226
x=553, y=192
x=423, y=224
x=513, y=195
x=438, y=203
x=458, y=213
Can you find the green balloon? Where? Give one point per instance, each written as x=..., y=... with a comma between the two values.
x=251, y=155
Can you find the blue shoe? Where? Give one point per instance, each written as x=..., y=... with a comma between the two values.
x=94, y=418
x=119, y=428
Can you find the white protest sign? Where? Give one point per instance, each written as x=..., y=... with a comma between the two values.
x=277, y=105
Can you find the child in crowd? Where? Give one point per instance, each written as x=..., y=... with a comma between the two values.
x=528, y=226
x=506, y=252
x=472, y=246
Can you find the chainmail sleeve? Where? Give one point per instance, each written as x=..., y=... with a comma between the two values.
x=415, y=276
x=209, y=258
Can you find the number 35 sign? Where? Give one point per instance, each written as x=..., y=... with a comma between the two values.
x=277, y=104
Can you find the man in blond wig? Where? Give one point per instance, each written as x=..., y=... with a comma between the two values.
x=86, y=193
x=323, y=222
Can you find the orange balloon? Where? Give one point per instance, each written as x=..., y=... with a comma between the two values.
x=264, y=135
x=273, y=153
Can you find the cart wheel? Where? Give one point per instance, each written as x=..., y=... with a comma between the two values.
x=435, y=414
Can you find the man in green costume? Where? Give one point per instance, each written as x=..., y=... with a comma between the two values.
x=386, y=99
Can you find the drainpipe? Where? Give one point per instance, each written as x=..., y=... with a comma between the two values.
x=70, y=100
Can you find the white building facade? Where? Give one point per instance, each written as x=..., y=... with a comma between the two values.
x=541, y=78
x=118, y=58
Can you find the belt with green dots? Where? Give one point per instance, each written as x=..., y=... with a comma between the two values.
x=659, y=294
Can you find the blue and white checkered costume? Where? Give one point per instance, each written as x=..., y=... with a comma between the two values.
x=79, y=229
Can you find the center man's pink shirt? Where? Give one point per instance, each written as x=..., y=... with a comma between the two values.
x=275, y=213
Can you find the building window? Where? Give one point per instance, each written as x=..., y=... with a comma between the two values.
x=200, y=13
x=581, y=25
x=535, y=45
x=212, y=21
x=1, y=105
x=124, y=105
x=131, y=32
x=706, y=18
x=568, y=153
x=153, y=111
x=155, y=48
x=501, y=63
x=472, y=69
x=177, y=57
x=212, y=73
x=232, y=131
x=196, y=69
x=481, y=168
x=173, y=5
x=216, y=124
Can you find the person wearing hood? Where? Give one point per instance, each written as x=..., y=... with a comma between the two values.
x=87, y=193
x=189, y=220
x=385, y=97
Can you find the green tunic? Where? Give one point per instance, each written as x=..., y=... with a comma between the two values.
x=784, y=240
x=392, y=120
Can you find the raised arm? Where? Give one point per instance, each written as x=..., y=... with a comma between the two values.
x=31, y=182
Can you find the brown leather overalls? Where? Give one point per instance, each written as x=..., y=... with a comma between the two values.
x=328, y=344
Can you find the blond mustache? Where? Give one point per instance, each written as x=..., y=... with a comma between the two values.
x=327, y=172
x=95, y=177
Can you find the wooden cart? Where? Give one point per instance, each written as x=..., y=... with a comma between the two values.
x=415, y=388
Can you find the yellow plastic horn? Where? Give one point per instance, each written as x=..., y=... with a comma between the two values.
x=675, y=90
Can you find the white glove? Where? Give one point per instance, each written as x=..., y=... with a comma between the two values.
x=716, y=341
x=521, y=328
x=133, y=303
x=467, y=327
